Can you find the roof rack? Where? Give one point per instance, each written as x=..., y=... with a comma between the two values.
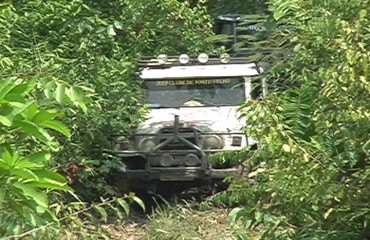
x=164, y=61
x=237, y=18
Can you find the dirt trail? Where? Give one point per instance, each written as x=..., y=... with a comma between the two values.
x=177, y=222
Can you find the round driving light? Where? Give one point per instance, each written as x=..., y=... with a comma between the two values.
x=212, y=142
x=191, y=160
x=225, y=58
x=167, y=160
x=147, y=144
x=162, y=58
x=203, y=58
x=184, y=58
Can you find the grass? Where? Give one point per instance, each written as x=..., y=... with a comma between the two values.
x=185, y=221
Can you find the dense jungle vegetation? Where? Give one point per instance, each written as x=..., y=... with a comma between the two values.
x=67, y=84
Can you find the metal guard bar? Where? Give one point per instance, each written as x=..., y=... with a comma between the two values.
x=176, y=137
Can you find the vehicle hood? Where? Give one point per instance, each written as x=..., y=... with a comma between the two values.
x=217, y=119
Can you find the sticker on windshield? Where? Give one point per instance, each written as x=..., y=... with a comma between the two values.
x=192, y=82
x=173, y=84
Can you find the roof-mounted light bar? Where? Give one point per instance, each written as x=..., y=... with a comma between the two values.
x=163, y=61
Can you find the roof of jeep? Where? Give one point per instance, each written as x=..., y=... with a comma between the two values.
x=170, y=67
x=203, y=71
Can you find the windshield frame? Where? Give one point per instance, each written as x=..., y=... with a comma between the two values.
x=241, y=85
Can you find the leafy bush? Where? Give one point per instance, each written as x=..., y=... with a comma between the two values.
x=25, y=150
x=95, y=45
x=312, y=167
x=30, y=199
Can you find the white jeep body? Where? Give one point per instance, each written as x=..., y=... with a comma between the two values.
x=176, y=139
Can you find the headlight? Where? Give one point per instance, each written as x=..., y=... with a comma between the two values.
x=147, y=144
x=212, y=142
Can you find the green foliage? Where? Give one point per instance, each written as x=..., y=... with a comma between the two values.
x=82, y=220
x=230, y=158
x=25, y=145
x=184, y=220
x=94, y=46
x=311, y=172
x=217, y=7
x=50, y=53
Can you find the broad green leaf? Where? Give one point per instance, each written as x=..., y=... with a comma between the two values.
x=101, y=211
x=25, y=163
x=60, y=92
x=48, y=184
x=45, y=115
x=57, y=126
x=5, y=121
x=30, y=112
x=48, y=93
x=233, y=215
x=33, y=194
x=6, y=85
x=76, y=97
x=32, y=129
x=4, y=165
x=16, y=104
x=47, y=174
x=9, y=156
x=39, y=157
x=14, y=97
x=139, y=201
x=23, y=108
x=124, y=205
x=25, y=174
x=23, y=89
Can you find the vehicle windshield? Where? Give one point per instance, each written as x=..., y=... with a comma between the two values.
x=195, y=92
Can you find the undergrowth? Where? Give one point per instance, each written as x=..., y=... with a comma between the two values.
x=190, y=221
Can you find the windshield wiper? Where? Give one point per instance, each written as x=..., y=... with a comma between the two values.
x=200, y=100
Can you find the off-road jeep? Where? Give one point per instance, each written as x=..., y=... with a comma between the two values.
x=193, y=114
